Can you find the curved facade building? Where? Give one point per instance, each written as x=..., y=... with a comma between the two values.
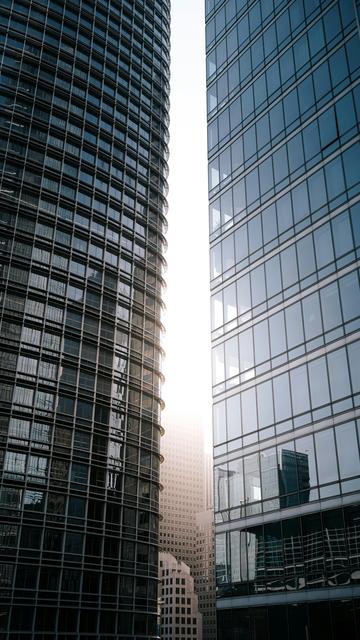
x=83, y=149
x=284, y=186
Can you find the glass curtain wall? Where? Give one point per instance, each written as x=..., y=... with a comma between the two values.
x=83, y=151
x=283, y=101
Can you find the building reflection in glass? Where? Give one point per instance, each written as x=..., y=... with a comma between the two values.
x=312, y=551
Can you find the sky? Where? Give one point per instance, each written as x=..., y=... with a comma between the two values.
x=187, y=391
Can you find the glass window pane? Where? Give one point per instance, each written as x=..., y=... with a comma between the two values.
x=218, y=364
x=287, y=470
x=258, y=285
x=215, y=258
x=299, y=390
x=230, y=311
x=221, y=487
x=221, y=567
x=216, y=311
x=277, y=334
x=282, y=397
x=306, y=256
x=241, y=243
x=273, y=276
x=265, y=404
x=243, y=294
x=305, y=446
x=248, y=406
x=289, y=267
x=231, y=358
x=233, y=416
x=342, y=235
x=335, y=182
x=239, y=545
x=338, y=374
x=330, y=306
x=350, y=296
x=326, y=457
x=312, y=316
x=269, y=224
x=294, y=325
x=261, y=342
x=252, y=478
x=348, y=450
x=319, y=387
x=246, y=350
x=323, y=246
x=269, y=473
x=228, y=257
x=236, y=483
x=255, y=234
x=219, y=422
x=354, y=361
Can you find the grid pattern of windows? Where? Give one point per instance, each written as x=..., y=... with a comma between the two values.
x=284, y=189
x=83, y=151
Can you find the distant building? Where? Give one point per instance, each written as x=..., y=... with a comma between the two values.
x=187, y=530
x=204, y=571
x=180, y=616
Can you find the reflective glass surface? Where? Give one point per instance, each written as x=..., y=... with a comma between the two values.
x=83, y=168
x=283, y=107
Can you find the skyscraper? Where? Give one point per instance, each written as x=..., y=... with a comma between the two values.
x=186, y=528
x=83, y=148
x=284, y=188
x=180, y=616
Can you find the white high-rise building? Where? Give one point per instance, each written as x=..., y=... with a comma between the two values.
x=180, y=615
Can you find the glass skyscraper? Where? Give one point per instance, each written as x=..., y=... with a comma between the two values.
x=283, y=82
x=83, y=150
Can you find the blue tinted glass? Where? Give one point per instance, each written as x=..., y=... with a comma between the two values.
x=351, y=159
x=306, y=94
x=258, y=285
x=317, y=190
x=330, y=304
x=338, y=67
x=248, y=407
x=269, y=223
x=241, y=243
x=342, y=235
x=277, y=334
x=265, y=404
x=282, y=397
x=294, y=325
x=355, y=223
x=273, y=276
x=284, y=213
x=319, y=387
x=306, y=256
x=289, y=266
x=326, y=458
x=233, y=417
x=300, y=202
x=312, y=316
x=266, y=176
x=334, y=178
x=350, y=296
x=300, y=390
x=322, y=82
x=354, y=362
x=338, y=374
